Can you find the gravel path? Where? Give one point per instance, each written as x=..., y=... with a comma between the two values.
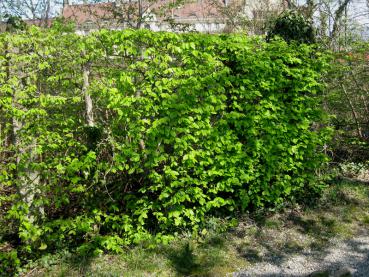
x=350, y=257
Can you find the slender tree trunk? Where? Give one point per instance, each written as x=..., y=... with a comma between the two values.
x=88, y=100
x=47, y=13
x=140, y=14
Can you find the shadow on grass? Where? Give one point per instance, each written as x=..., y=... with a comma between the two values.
x=184, y=260
x=340, y=184
x=337, y=213
x=355, y=262
x=264, y=245
x=264, y=248
x=202, y=259
x=81, y=262
x=320, y=227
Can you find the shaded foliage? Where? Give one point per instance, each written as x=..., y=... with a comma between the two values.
x=14, y=23
x=347, y=100
x=292, y=26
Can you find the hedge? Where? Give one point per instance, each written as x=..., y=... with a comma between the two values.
x=123, y=136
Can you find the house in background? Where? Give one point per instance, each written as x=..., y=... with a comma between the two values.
x=207, y=16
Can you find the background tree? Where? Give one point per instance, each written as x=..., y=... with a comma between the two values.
x=252, y=17
x=292, y=26
x=39, y=11
x=336, y=21
x=347, y=99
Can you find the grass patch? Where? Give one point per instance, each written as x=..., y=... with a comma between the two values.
x=185, y=257
x=341, y=212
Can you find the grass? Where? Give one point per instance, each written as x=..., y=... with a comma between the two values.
x=342, y=212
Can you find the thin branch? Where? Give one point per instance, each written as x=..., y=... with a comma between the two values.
x=356, y=118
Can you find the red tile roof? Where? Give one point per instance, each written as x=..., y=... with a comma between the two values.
x=199, y=10
x=40, y=22
x=86, y=12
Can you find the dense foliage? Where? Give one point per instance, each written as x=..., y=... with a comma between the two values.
x=14, y=23
x=123, y=136
x=292, y=26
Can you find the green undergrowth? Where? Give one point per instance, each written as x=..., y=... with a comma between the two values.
x=341, y=213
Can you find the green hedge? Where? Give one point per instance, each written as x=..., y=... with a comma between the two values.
x=185, y=127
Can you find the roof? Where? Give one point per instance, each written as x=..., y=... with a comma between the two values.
x=88, y=12
x=196, y=11
x=199, y=10
x=40, y=22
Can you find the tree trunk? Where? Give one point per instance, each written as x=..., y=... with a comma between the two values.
x=26, y=179
x=337, y=19
x=88, y=100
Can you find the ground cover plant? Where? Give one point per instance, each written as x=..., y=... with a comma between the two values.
x=121, y=137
